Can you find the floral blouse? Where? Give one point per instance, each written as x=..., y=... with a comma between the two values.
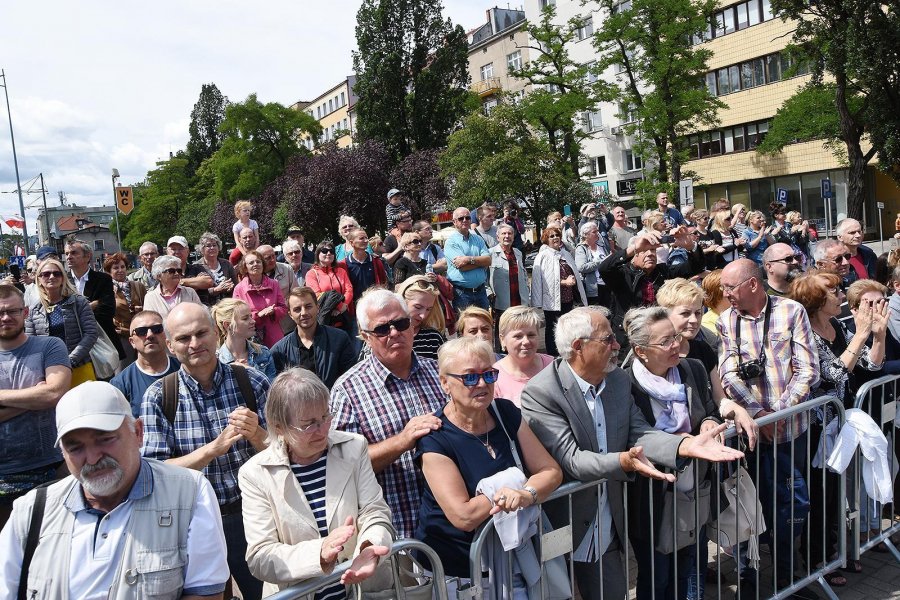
x=834, y=377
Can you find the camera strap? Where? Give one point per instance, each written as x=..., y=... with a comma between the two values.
x=765, y=335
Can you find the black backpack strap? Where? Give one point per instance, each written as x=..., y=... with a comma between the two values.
x=243, y=381
x=34, y=533
x=170, y=396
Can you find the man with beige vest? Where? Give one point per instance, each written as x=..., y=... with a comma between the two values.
x=122, y=526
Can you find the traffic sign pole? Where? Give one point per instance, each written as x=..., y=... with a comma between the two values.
x=880, y=207
x=826, y=198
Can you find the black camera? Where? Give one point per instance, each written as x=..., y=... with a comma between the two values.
x=751, y=369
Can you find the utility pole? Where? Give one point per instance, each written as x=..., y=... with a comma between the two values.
x=46, y=216
x=16, y=164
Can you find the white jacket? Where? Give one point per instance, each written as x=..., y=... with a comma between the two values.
x=545, y=292
x=860, y=430
x=513, y=528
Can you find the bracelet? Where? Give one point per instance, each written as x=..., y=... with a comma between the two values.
x=531, y=490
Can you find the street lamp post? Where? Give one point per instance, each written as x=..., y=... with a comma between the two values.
x=115, y=175
x=16, y=164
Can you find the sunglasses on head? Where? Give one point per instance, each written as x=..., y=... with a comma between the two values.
x=384, y=329
x=142, y=331
x=472, y=379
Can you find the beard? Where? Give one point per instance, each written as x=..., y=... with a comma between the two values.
x=101, y=485
x=792, y=274
x=11, y=335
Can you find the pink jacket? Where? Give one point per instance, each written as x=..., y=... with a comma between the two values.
x=268, y=328
x=324, y=279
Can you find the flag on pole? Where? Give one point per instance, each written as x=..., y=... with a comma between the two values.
x=14, y=221
x=19, y=251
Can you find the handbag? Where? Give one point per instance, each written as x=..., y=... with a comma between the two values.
x=103, y=354
x=83, y=373
x=422, y=589
x=742, y=519
x=677, y=533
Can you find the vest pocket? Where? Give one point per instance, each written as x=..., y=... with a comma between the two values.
x=161, y=574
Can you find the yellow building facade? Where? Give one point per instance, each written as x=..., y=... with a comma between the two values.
x=496, y=48
x=333, y=109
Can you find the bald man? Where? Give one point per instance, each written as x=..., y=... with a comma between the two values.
x=467, y=262
x=782, y=265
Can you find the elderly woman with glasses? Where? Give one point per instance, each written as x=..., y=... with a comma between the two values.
x=327, y=275
x=263, y=295
x=466, y=461
x=169, y=293
x=63, y=313
x=411, y=262
x=673, y=395
x=556, y=283
x=129, y=301
x=310, y=500
x=221, y=270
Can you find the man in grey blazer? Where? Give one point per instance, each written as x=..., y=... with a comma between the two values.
x=614, y=443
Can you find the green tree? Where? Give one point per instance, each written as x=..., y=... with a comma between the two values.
x=659, y=88
x=499, y=156
x=206, y=118
x=158, y=203
x=412, y=74
x=562, y=88
x=258, y=141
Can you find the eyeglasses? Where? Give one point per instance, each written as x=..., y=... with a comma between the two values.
x=467, y=218
x=173, y=271
x=317, y=424
x=326, y=251
x=384, y=329
x=293, y=252
x=606, y=339
x=840, y=258
x=49, y=274
x=668, y=342
x=211, y=245
x=142, y=331
x=797, y=258
x=30, y=271
x=472, y=379
x=730, y=288
x=11, y=312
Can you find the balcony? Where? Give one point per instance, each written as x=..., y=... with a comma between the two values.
x=486, y=87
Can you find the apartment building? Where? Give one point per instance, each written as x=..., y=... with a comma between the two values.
x=496, y=48
x=333, y=109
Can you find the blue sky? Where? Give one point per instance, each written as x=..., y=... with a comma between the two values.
x=96, y=85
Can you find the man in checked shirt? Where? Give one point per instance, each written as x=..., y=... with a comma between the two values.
x=777, y=334
x=389, y=398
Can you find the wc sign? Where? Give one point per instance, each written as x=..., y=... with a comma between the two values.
x=125, y=199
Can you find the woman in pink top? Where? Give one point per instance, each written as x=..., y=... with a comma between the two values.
x=263, y=294
x=326, y=276
x=519, y=327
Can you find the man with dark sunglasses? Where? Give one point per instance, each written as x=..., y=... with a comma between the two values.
x=390, y=399
x=468, y=260
x=148, y=338
x=832, y=256
x=782, y=265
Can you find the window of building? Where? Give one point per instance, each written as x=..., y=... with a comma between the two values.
x=487, y=71
x=743, y=19
x=592, y=121
x=633, y=162
x=330, y=105
x=343, y=99
x=753, y=73
x=98, y=246
x=586, y=29
x=597, y=166
x=627, y=113
x=546, y=3
x=514, y=61
x=753, y=14
x=318, y=112
x=729, y=20
x=766, y=10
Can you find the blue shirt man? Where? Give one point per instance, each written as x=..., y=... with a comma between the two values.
x=467, y=262
x=673, y=216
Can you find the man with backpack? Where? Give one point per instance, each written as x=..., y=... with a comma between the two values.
x=210, y=417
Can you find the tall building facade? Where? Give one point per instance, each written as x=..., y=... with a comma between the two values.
x=497, y=48
x=333, y=109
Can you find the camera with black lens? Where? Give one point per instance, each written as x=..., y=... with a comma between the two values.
x=751, y=369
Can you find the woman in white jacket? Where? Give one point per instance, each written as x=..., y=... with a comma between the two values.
x=555, y=283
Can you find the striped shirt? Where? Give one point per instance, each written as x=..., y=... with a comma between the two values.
x=791, y=367
x=312, y=479
x=373, y=402
x=427, y=342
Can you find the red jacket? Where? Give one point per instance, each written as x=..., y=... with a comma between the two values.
x=323, y=279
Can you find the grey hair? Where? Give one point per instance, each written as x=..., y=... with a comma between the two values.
x=844, y=223
x=161, y=263
x=504, y=226
x=293, y=391
x=146, y=244
x=374, y=300
x=208, y=237
x=638, y=321
x=895, y=274
x=575, y=325
x=290, y=246
x=586, y=227
x=85, y=247
x=822, y=248
x=465, y=347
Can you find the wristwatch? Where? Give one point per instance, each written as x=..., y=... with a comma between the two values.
x=531, y=490
x=471, y=260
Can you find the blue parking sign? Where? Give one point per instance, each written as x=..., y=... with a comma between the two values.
x=826, y=188
x=781, y=196
x=17, y=260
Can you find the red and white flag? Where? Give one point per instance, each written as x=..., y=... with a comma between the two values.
x=19, y=251
x=15, y=221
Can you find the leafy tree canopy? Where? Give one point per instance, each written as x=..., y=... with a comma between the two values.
x=206, y=118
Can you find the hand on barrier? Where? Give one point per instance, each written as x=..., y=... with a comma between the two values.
x=706, y=446
x=743, y=423
x=771, y=431
x=634, y=461
x=364, y=565
x=334, y=543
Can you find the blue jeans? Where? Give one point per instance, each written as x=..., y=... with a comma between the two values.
x=661, y=579
x=463, y=299
x=236, y=542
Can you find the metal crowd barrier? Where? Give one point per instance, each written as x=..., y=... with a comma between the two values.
x=878, y=398
x=308, y=588
x=801, y=573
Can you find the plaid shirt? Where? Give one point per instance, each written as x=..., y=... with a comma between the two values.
x=199, y=419
x=791, y=366
x=369, y=400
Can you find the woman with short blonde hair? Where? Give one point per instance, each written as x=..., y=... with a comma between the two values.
x=519, y=330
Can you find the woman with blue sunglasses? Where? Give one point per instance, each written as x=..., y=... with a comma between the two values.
x=472, y=468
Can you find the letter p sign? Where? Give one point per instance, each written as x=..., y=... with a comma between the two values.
x=124, y=199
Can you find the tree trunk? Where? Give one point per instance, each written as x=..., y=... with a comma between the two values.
x=851, y=134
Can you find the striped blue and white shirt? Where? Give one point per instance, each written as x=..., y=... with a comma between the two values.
x=312, y=479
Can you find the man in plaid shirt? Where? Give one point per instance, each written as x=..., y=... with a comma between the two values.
x=789, y=371
x=390, y=398
x=213, y=431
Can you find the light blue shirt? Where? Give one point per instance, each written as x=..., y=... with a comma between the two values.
x=457, y=245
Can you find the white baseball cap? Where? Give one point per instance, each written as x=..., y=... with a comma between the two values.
x=91, y=405
x=177, y=239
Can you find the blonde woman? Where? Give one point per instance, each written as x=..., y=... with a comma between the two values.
x=726, y=238
x=739, y=221
x=346, y=225
x=411, y=262
x=758, y=237
x=519, y=331
x=799, y=231
x=235, y=327
x=426, y=314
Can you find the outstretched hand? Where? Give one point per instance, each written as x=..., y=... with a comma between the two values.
x=706, y=446
x=634, y=461
x=364, y=564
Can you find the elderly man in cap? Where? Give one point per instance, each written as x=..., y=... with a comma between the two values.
x=195, y=275
x=121, y=526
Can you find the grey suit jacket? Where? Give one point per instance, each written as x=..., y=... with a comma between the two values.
x=554, y=407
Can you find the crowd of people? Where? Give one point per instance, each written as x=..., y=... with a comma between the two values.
x=273, y=414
